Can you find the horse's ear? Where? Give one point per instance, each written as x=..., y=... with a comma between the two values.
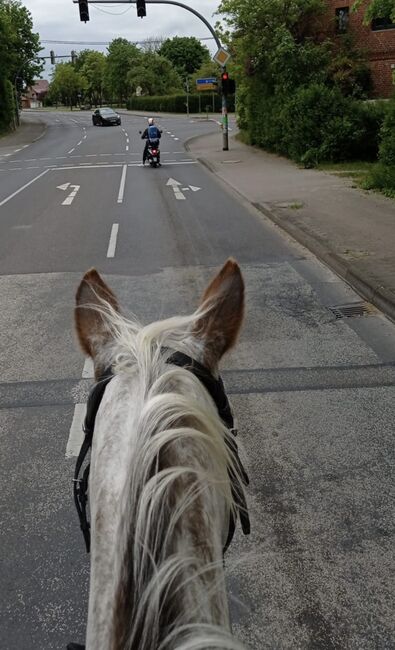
x=224, y=297
x=92, y=330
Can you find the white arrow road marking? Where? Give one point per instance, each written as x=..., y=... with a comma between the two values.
x=195, y=189
x=72, y=195
x=176, y=188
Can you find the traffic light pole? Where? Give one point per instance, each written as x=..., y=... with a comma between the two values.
x=225, y=121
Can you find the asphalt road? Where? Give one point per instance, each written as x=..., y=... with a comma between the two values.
x=314, y=394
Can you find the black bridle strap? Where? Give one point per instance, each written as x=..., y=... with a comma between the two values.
x=80, y=485
x=237, y=474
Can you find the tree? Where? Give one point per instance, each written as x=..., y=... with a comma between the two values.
x=272, y=44
x=186, y=54
x=66, y=84
x=122, y=57
x=93, y=70
x=19, y=46
x=377, y=9
x=155, y=75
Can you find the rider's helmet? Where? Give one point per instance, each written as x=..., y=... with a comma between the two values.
x=150, y=121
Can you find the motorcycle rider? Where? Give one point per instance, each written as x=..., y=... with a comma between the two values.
x=152, y=136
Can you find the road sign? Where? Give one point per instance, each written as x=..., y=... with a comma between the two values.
x=222, y=56
x=210, y=83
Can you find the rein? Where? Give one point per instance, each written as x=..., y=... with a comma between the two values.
x=216, y=390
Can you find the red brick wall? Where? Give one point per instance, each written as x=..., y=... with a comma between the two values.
x=380, y=45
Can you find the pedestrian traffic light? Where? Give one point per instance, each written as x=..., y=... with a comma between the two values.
x=141, y=11
x=52, y=57
x=84, y=10
x=228, y=86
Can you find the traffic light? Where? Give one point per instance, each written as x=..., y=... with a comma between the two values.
x=228, y=86
x=52, y=57
x=84, y=10
x=141, y=11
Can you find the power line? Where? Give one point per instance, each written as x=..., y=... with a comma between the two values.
x=151, y=40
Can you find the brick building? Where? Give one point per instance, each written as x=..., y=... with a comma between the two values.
x=377, y=39
x=35, y=95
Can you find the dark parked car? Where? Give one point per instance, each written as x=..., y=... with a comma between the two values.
x=105, y=116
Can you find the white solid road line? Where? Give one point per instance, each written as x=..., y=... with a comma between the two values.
x=8, y=198
x=76, y=435
x=88, y=370
x=122, y=185
x=71, y=150
x=113, y=240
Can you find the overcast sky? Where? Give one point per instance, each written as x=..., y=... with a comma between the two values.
x=58, y=20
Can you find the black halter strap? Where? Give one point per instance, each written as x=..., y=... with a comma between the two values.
x=215, y=387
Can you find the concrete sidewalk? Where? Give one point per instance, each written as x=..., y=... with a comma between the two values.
x=29, y=131
x=350, y=230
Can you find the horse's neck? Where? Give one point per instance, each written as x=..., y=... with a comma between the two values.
x=198, y=536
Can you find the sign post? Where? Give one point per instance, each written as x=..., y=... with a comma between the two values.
x=222, y=57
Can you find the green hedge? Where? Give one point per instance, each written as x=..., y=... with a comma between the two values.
x=382, y=176
x=177, y=103
x=315, y=124
x=387, y=134
x=7, y=106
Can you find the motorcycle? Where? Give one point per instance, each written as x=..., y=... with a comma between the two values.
x=153, y=152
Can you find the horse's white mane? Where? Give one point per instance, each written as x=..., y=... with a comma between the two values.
x=171, y=593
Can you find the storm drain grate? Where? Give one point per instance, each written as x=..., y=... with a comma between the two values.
x=353, y=310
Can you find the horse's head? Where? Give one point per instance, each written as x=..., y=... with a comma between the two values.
x=214, y=331
x=166, y=481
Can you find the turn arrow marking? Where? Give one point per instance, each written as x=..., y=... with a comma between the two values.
x=177, y=191
x=72, y=195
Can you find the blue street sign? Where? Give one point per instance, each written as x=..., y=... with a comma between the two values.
x=209, y=80
x=210, y=83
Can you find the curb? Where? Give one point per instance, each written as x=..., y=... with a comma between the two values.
x=378, y=295
x=189, y=141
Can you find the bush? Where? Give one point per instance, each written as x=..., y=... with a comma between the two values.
x=382, y=177
x=387, y=134
x=176, y=103
x=371, y=116
x=319, y=124
x=315, y=124
x=7, y=105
